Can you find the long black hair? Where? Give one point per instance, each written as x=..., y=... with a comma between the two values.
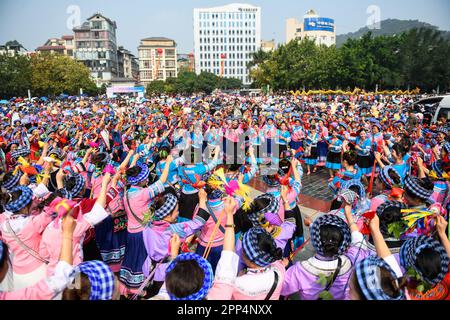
x=331, y=238
x=428, y=262
x=185, y=278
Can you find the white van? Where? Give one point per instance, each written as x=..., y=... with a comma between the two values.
x=433, y=108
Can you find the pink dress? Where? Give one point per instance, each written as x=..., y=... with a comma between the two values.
x=45, y=289
x=29, y=229
x=207, y=230
x=140, y=199
x=50, y=247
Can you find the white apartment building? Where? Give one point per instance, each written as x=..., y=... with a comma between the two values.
x=225, y=38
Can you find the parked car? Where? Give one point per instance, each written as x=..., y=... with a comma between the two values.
x=433, y=108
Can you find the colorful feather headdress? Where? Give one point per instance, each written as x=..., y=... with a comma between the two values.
x=25, y=167
x=219, y=181
x=419, y=222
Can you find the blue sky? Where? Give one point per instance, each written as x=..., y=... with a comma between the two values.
x=32, y=22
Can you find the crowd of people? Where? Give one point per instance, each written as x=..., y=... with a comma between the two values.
x=130, y=198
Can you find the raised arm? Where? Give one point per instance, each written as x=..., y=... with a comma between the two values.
x=60, y=179
x=378, y=240
x=229, y=239
x=101, y=200
x=295, y=163
x=43, y=155
x=125, y=162
x=348, y=216
x=135, y=160
x=86, y=156
x=165, y=173
x=68, y=228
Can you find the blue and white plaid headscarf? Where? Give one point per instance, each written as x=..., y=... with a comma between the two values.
x=272, y=207
x=330, y=220
x=412, y=247
x=57, y=152
x=141, y=176
x=73, y=142
x=253, y=251
x=436, y=166
x=207, y=280
x=101, y=278
x=384, y=176
x=21, y=202
x=271, y=181
x=413, y=186
x=446, y=146
x=14, y=142
x=23, y=152
x=348, y=196
x=369, y=279
x=355, y=182
x=167, y=208
x=389, y=204
x=79, y=185
x=12, y=181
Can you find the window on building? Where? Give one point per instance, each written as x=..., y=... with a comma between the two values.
x=170, y=64
x=97, y=24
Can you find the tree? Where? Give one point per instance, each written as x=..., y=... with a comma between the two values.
x=207, y=82
x=53, y=74
x=258, y=57
x=156, y=87
x=15, y=76
x=417, y=58
x=186, y=82
x=229, y=83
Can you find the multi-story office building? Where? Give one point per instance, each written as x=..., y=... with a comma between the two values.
x=225, y=38
x=128, y=64
x=64, y=46
x=157, y=59
x=321, y=30
x=96, y=47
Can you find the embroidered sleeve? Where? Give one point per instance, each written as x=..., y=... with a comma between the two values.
x=155, y=189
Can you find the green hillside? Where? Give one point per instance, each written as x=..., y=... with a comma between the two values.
x=388, y=27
